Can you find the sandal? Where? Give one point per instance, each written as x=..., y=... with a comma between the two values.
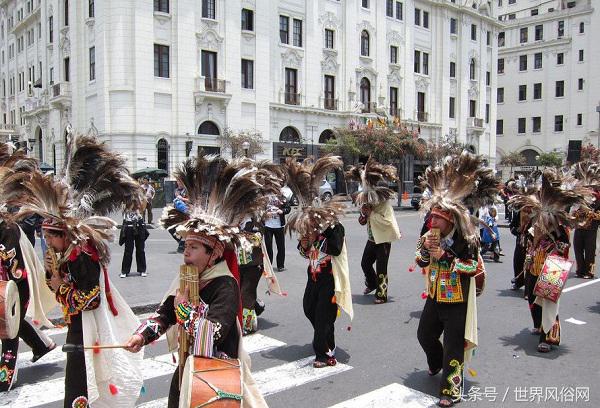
x=544, y=348
x=331, y=361
x=368, y=291
x=319, y=364
x=535, y=332
x=445, y=401
x=36, y=357
x=379, y=301
x=434, y=372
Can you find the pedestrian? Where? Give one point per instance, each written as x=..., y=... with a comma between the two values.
x=180, y=204
x=449, y=252
x=133, y=234
x=277, y=209
x=584, y=239
x=149, y=194
x=321, y=241
x=382, y=228
x=519, y=225
x=212, y=321
x=251, y=268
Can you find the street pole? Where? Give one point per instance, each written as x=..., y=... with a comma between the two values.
x=598, y=110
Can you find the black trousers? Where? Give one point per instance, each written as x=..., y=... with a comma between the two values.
x=584, y=246
x=536, y=310
x=450, y=319
x=174, y=390
x=149, y=210
x=279, y=234
x=321, y=312
x=377, y=278
x=249, y=278
x=10, y=347
x=518, y=263
x=137, y=240
x=75, y=372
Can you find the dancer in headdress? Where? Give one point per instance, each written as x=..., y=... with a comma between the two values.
x=548, y=212
x=95, y=183
x=321, y=241
x=449, y=252
x=377, y=213
x=220, y=195
x=20, y=264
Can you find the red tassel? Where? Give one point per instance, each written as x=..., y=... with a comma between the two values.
x=36, y=322
x=113, y=389
x=411, y=268
x=349, y=328
x=424, y=295
x=333, y=300
x=96, y=349
x=174, y=360
x=109, y=298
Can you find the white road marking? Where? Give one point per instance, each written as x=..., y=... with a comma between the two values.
x=581, y=285
x=575, y=321
x=392, y=396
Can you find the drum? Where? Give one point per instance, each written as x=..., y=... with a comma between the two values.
x=10, y=310
x=211, y=382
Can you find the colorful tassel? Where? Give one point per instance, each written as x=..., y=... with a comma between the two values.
x=339, y=312
x=423, y=295
x=472, y=372
x=96, y=349
x=174, y=360
x=411, y=268
x=113, y=389
x=333, y=300
x=143, y=391
x=36, y=322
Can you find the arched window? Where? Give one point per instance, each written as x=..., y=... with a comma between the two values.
x=365, y=93
x=530, y=157
x=208, y=128
x=289, y=135
x=326, y=135
x=364, y=43
x=38, y=133
x=162, y=148
x=472, y=69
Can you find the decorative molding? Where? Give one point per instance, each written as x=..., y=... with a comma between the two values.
x=329, y=65
x=452, y=57
x=329, y=20
x=422, y=83
x=65, y=44
x=208, y=23
x=329, y=52
x=366, y=71
x=162, y=18
x=394, y=38
x=248, y=35
x=474, y=54
x=473, y=90
x=209, y=39
x=453, y=86
x=365, y=25
x=395, y=75
x=291, y=58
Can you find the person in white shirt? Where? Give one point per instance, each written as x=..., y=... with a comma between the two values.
x=149, y=193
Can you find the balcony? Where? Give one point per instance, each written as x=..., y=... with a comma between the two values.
x=475, y=123
x=422, y=116
x=396, y=112
x=291, y=98
x=330, y=104
x=214, y=85
x=36, y=105
x=210, y=88
x=60, y=94
x=369, y=107
x=7, y=129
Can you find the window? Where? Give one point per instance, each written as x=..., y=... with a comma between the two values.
x=580, y=84
x=488, y=38
x=452, y=69
x=523, y=35
x=399, y=14
x=329, y=38
x=425, y=63
x=537, y=91
x=67, y=69
x=209, y=9
x=247, y=20
x=580, y=55
x=501, y=39
x=393, y=54
x=66, y=12
x=291, y=87
x=161, y=61
x=499, y=127
x=247, y=74
x=512, y=16
x=537, y=60
x=501, y=65
x=451, y=112
x=561, y=29
x=417, y=17
x=474, y=32
x=364, y=43
x=488, y=78
x=539, y=32
x=536, y=124
x=417, y=66
x=558, y=123
x=472, y=69
x=394, y=101
x=365, y=3
x=500, y=95
x=284, y=29
x=560, y=89
x=92, y=63
x=560, y=58
x=330, y=92
x=522, y=92
x=512, y=1
x=426, y=19
x=534, y=12
x=389, y=8
x=51, y=75
x=453, y=25
x=472, y=108
x=297, y=33
x=522, y=126
x=523, y=63
x=50, y=29
x=579, y=119
x=487, y=113
x=365, y=93
x=91, y=11
x=208, y=69
x=581, y=27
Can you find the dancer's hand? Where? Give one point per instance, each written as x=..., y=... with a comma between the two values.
x=135, y=343
x=182, y=297
x=431, y=242
x=55, y=282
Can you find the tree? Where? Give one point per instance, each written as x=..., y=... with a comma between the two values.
x=550, y=159
x=512, y=159
x=232, y=142
x=436, y=151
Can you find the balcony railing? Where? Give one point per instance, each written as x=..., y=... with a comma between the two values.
x=475, y=122
x=214, y=85
x=291, y=98
x=396, y=112
x=369, y=107
x=61, y=89
x=7, y=127
x=422, y=116
x=330, y=103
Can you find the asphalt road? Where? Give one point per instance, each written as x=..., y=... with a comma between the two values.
x=381, y=347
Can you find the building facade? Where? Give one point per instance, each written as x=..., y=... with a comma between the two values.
x=548, y=82
x=160, y=79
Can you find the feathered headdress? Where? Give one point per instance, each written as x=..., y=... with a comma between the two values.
x=549, y=206
x=587, y=174
x=460, y=183
x=304, y=179
x=95, y=183
x=370, y=176
x=15, y=166
x=221, y=194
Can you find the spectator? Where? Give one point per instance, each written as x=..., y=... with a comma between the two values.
x=149, y=193
x=133, y=233
x=277, y=208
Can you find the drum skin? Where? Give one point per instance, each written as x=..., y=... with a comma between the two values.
x=10, y=310
x=225, y=375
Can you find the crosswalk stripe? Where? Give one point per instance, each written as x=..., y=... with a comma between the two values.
x=393, y=395
x=49, y=391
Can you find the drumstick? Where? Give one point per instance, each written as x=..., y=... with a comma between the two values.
x=70, y=348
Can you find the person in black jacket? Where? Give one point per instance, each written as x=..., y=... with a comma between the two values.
x=519, y=224
x=584, y=240
x=133, y=233
x=277, y=209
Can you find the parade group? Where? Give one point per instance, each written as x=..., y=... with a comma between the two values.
x=223, y=221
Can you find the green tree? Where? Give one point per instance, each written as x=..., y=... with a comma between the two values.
x=512, y=159
x=550, y=159
x=233, y=141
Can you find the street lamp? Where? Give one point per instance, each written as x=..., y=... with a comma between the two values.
x=245, y=146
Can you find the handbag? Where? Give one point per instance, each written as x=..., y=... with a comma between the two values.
x=553, y=277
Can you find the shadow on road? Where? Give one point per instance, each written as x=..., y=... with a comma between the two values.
x=510, y=293
x=595, y=308
x=416, y=314
x=295, y=352
x=527, y=343
x=264, y=324
x=367, y=299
